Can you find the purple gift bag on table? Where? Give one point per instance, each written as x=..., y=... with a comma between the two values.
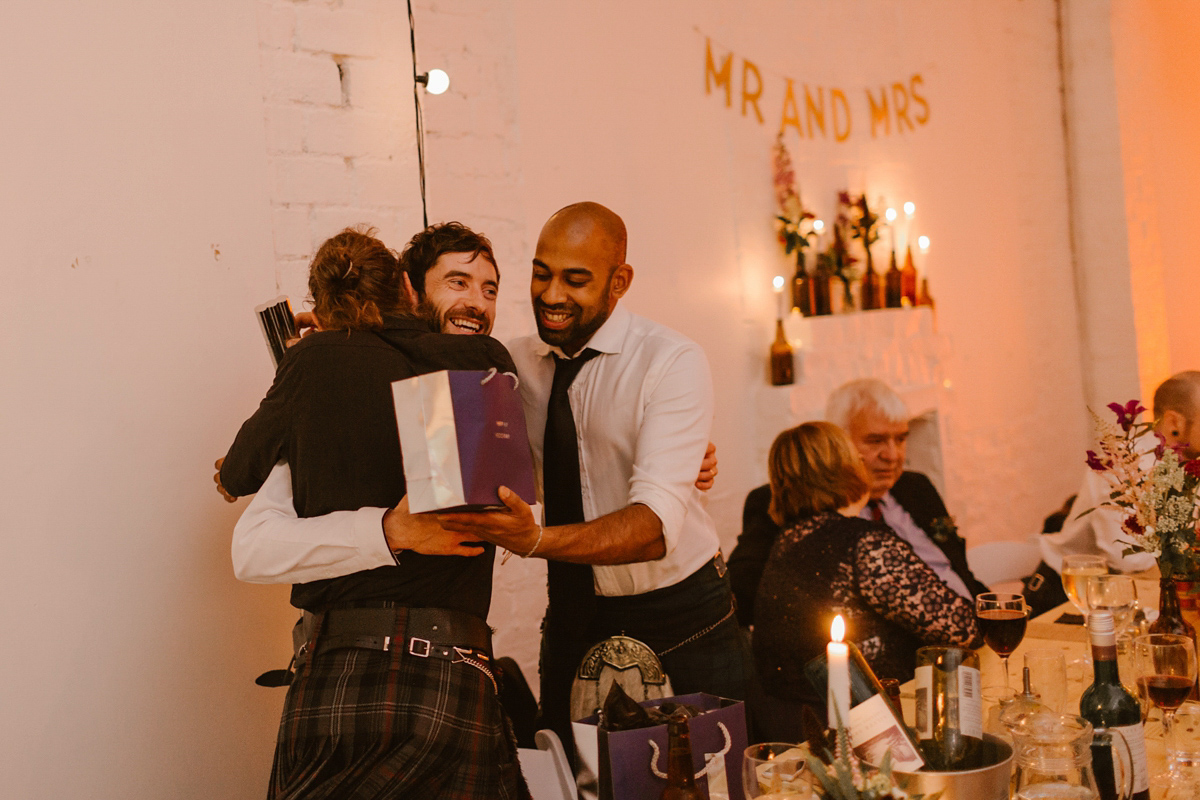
x=462, y=436
x=632, y=765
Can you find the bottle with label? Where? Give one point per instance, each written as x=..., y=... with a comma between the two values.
x=1113, y=710
x=875, y=725
x=893, y=281
x=949, y=708
x=783, y=362
x=681, y=776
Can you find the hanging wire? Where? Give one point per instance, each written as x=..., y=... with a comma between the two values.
x=412, y=35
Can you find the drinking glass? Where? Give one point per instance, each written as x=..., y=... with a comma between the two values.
x=1165, y=664
x=775, y=771
x=1002, y=618
x=1048, y=677
x=1075, y=572
x=1118, y=594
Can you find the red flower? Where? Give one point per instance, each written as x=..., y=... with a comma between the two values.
x=1132, y=525
x=1192, y=467
x=1127, y=414
x=1093, y=461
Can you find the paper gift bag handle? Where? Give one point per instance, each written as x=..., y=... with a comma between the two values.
x=660, y=774
x=492, y=373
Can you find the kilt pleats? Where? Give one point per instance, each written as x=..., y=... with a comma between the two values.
x=368, y=725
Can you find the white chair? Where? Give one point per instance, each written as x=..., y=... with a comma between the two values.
x=1001, y=565
x=546, y=769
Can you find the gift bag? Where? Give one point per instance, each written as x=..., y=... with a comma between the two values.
x=462, y=436
x=632, y=765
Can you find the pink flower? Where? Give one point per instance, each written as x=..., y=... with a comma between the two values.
x=1127, y=414
x=1161, y=450
x=1093, y=461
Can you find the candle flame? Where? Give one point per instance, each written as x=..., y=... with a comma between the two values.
x=910, y=208
x=890, y=214
x=818, y=225
x=777, y=282
x=837, y=631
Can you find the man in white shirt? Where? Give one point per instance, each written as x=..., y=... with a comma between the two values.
x=1177, y=421
x=641, y=408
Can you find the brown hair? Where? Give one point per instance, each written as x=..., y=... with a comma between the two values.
x=424, y=249
x=354, y=280
x=814, y=467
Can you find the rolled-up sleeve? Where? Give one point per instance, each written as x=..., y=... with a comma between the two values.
x=672, y=439
x=271, y=544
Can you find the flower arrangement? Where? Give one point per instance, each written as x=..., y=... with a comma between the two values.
x=1154, y=485
x=846, y=778
x=861, y=221
x=793, y=218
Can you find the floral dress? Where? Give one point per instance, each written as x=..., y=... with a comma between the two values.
x=892, y=603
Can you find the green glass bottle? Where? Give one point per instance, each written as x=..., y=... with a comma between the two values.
x=1113, y=710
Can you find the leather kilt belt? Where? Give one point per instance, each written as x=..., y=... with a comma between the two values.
x=420, y=632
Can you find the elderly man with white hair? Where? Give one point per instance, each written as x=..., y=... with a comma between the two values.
x=877, y=421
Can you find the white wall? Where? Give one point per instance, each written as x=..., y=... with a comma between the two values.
x=168, y=166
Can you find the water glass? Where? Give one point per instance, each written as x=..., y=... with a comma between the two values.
x=775, y=771
x=1048, y=677
x=1184, y=749
x=1118, y=594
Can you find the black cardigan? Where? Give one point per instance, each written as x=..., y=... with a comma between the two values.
x=330, y=415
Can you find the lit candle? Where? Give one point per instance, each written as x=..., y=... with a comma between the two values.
x=778, y=282
x=923, y=244
x=910, y=208
x=837, y=653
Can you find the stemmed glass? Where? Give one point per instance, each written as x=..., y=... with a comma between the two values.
x=1166, y=668
x=1118, y=594
x=1075, y=572
x=1002, y=618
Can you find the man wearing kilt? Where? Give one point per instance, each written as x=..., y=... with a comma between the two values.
x=394, y=694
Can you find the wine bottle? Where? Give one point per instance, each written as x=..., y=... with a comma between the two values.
x=783, y=363
x=869, y=298
x=908, y=279
x=802, y=288
x=925, y=298
x=893, y=281
x=1112, y=709
x=874, y=724
x=949, y=708
x=681, y=777
x=822, y=303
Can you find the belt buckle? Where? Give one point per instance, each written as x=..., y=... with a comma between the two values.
x=424, y=644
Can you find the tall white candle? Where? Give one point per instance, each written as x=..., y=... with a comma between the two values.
x=837, y=653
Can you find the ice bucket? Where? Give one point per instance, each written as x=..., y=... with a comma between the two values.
x=985, y=783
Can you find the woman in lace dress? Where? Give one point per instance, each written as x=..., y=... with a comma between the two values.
x=828, y=562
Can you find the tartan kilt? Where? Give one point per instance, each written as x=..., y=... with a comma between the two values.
x=370, y=724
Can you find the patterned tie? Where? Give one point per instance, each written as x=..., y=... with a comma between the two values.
x=570, y=586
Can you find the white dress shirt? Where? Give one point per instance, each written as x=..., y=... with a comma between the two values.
x=643, y=413
x=1100, y=532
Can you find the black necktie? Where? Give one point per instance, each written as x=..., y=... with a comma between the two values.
x=570, y=587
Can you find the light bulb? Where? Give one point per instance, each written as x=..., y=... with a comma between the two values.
x=436, y=81
x=777, y=282
x=910, y=208
x=818, y=225
x=890, y=215
x=923, y=243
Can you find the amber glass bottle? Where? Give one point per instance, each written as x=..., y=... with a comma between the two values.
x=802, y=287
x=908, y=279
x=869, y=297
x=892, y=284
x=783, y=364
x=681, y=779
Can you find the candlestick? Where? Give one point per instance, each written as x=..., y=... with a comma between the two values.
x=837, y=653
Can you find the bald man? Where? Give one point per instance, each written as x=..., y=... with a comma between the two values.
x=619, y=410
x=1177, y=420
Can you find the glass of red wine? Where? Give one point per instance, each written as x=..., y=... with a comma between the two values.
x=1166, y=672
x=1002, y=618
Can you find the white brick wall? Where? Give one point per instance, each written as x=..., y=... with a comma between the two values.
x=338, y=114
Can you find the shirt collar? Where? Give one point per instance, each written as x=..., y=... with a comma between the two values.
x=609, y=339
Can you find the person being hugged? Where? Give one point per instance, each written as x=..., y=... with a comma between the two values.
x=394, y=693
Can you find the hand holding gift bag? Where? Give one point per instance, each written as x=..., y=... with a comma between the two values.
x=462, y=437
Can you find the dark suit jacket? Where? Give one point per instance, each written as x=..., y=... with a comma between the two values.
x=915, y=494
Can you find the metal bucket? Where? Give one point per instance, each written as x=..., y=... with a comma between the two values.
x=985, y=783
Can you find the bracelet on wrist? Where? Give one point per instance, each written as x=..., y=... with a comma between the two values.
x=537, y=544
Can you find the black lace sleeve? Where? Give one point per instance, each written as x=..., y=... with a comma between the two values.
x=902, y=588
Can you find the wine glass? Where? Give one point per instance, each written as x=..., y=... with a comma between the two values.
x=1002, y=617
x=775, y=771
x=1117, y=593
x=1075, y=572
x=1166, y=668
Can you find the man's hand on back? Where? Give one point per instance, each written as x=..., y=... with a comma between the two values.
x=708, y=469
x=422, y=533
